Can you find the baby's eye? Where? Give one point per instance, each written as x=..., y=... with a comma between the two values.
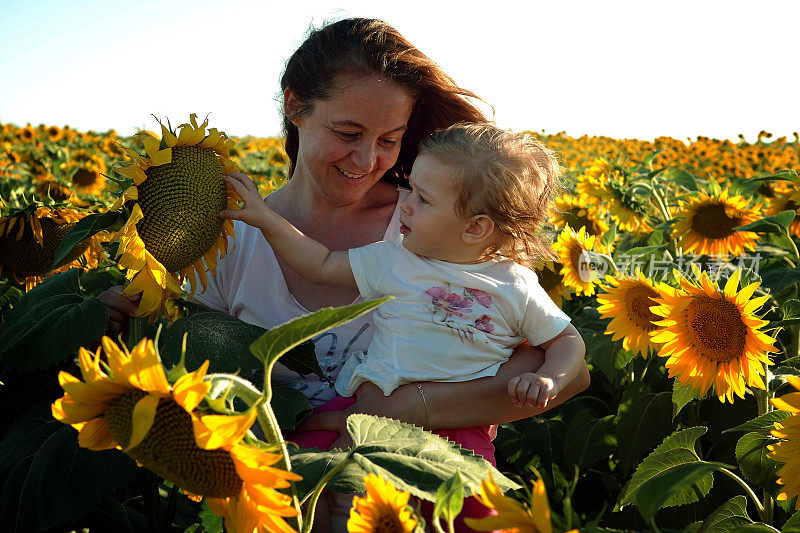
x=421, y=199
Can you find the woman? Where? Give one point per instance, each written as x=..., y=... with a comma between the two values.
x=358, y=98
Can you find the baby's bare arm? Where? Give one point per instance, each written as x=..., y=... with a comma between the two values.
x=309, y=258
x=563, y=361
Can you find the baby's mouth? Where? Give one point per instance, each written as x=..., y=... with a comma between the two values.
x=404, y=229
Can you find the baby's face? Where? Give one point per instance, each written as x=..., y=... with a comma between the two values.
x=429, y=223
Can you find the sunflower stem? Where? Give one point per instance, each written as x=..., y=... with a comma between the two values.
x=266, y=419
x=791, y=241
x=747, y=489
x=315, y=494
x=135, y=331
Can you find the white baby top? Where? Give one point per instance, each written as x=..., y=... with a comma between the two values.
x=447, y=321
x=249, y=284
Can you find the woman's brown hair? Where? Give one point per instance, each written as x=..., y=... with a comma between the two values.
x=371, y=46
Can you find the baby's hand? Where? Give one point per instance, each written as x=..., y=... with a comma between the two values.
x=531, y=389
x=255, y=211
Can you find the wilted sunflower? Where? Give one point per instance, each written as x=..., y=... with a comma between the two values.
x=625, y=209
x=787, y=451
x=511, y=515
x=174, y=230
x=627, y=303
x=707, y=225
x=713, y=337
x=30, y=237
x=576, y=272
x=572, y=211
x=787, y=198
x=127, y=402
x=383, y=510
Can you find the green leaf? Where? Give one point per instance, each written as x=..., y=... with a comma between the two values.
x=763, y=423
x=728, y=516
x=781, y=175
x=754, y=460
x=683, y=178
x=50, y=323
x=449, y=498
x=641, y=425
x=589, y=439
x=654, y=492
x=677, y=449
x=277, y=341
x=415, y=460
x=793, y=524
x=212, y=523
x=225, y=340
x=779, y=278
x=289, y=405
x=791, y=313
x=648, y=159
x=757, y=527
x=412, y=459
x=60, y=482
x=681, y=395
x=609, y=236
x=85, y=228
x=777, y=223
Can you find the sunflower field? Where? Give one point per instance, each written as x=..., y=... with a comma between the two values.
x=677, y=261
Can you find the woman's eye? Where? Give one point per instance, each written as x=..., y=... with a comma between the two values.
x=347, y=135
x=390, y=142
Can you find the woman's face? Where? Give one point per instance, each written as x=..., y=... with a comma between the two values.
x=350, y=140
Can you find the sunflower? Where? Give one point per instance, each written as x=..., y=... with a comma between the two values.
x=787, y=198
x=54, y=133
x=174, y=230
x=712, y=337
x=572, y=211
x=87, y=172
x=127, y=402
x=511, y=515
x=707, y=225
x=30, y=237
x=787, y=451
x=625, y=209
x=575, y=270
x=26, y=134
x=383, y=510
x=627, y=303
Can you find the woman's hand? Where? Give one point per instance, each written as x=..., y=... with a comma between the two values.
x=120, y=308
x=404, y=404
x=255, y=212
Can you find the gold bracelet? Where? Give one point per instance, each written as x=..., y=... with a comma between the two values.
x=424, y=402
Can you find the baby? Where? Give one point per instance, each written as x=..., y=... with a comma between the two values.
x=479, y=196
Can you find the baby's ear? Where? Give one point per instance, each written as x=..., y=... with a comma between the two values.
x=480, y=229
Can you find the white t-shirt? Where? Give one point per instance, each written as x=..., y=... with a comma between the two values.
x=447, y=321
x=249, y=284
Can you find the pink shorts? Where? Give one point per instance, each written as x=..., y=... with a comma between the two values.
x=477, y=439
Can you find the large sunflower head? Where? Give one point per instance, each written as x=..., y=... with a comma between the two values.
x=787, y=451
x=629, y=213
x=174, y=230
x=512, y=515
x=572, y=248
x=30, y=237
x=127, y=402
x=713, y=337
x=707, y=224
x=627, y=303
x=383, y=510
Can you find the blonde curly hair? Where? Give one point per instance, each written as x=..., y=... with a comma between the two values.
x=510, y=177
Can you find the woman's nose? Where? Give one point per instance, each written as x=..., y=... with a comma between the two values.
x=364, y=156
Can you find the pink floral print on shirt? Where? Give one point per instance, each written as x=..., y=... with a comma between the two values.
x=447, y=305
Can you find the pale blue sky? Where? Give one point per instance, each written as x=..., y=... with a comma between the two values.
x=621, y=69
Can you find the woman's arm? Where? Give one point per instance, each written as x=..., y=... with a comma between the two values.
x=487, y=398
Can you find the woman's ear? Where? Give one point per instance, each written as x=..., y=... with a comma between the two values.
x=479, y=230
x=291, y=105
